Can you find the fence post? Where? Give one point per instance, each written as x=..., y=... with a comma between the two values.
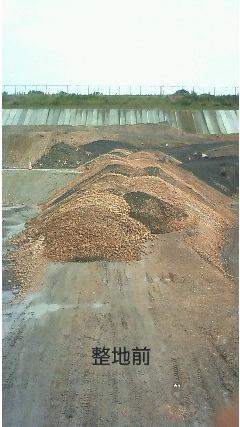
x=67, y=88
x=161, y=90
x=214, y=91
x=15, y=90
x=46, y=89
x=130, y=90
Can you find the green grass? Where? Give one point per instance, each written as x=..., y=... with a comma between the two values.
x=167, y=102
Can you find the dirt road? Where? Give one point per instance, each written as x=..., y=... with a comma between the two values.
x=163, y=302
x=173, y=306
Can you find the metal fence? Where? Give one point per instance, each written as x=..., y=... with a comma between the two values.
x=118, y=89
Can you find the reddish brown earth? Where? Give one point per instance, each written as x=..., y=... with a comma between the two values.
x=171, y=291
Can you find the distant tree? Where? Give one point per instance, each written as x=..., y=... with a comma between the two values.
x=182, y=92
x=35, y=92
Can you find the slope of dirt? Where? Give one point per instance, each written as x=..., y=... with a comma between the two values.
x=221, y=173
x=19, y=148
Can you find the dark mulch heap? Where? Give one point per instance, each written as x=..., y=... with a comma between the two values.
x=160, y=217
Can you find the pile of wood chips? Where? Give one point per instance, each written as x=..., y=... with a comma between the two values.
x=92, y=226
x=93, y=223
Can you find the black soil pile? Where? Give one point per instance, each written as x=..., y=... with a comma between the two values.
x=218, y=171
x=221, y=173
x=97, y=148
x=159, y=216
x=62, y=155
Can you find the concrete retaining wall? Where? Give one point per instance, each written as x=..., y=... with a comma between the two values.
x=201, y=122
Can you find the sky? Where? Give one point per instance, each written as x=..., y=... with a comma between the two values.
x=155, y=42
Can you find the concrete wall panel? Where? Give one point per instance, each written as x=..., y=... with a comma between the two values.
x=201, y=122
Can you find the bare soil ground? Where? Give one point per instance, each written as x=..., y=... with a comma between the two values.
x=175, y=294
x=23, y=142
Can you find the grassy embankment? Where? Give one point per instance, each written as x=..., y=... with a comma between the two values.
x=166, y=102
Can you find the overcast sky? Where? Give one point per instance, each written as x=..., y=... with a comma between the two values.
x=155, y=42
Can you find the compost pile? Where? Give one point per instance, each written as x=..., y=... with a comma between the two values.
x=114, y=208
x=92, y=226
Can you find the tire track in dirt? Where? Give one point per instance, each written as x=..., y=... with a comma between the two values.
x=142, y=303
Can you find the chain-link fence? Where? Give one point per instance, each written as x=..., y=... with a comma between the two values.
x=119, y=89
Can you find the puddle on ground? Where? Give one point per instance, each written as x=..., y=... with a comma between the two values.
x=96, y=304
x=7, y=296
x=14, y=219
x=39, y=310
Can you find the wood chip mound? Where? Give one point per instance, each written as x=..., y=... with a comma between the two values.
x=92, y=218
x=92, y=226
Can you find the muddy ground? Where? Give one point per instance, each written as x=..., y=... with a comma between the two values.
x=173, y=301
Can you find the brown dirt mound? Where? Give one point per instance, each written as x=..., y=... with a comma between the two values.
x=204, y=215
x=90, y=220
x=93, y=226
